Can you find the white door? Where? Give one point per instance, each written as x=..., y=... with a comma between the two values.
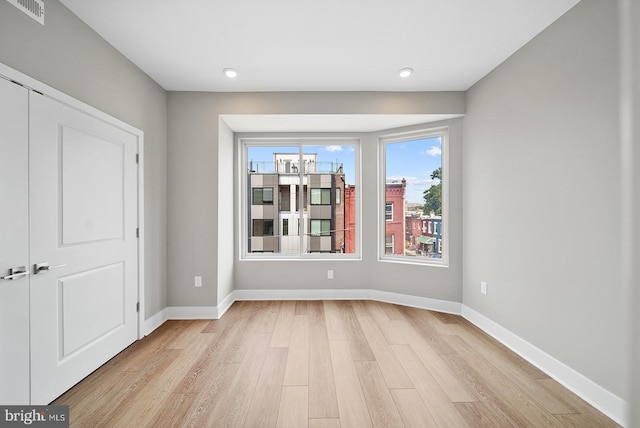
x=14, y=244
x=83, y=221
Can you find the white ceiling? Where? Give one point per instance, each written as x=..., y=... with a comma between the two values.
x=304, y=45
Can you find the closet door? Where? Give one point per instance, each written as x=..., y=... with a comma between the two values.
x=83, y=198
x=14, y=244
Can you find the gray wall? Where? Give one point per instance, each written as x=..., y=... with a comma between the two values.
x=542, y=200
x=226, y=216
x=201, y=185
x=70, y=57
x=634, y=17
x=630, y=16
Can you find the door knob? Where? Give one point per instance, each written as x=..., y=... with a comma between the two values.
x=44, y=267
x=15, y=273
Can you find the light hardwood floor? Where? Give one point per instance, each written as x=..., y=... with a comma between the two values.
x=323, y=364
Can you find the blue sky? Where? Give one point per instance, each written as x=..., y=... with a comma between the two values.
x=413, y=160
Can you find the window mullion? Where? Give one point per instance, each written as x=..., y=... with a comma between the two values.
x=301, y=202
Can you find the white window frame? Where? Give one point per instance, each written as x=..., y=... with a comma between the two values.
x=299, y=140
x=383, y=139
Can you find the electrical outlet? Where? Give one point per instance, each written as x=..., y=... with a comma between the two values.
x=483, y=287
x=197, y=281
x=330, y=274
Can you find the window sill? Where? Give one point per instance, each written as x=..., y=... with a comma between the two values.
x=438, y=263
x=297, y=258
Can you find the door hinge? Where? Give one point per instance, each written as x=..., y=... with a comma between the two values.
x=137, y=306
x=137, y=232
x=137, y=158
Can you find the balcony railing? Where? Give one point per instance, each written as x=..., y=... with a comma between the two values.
x=310, y=167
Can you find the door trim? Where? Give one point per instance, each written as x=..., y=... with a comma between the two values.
x=30, y=83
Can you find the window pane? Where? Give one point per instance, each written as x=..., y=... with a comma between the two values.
x=326, y=196
x=308, y=185
x=325, y=227
x=413, y=198
x=266, y=172
x=331, y=170
x=267, y=196
x=258, y=228
x=321, y=227
x=304, y=198
x=262, y=227
x=315, y=227
x=315, y=197
x=268, y=227
x=263, y=196
x=284, y=197
x=257, y=196
x=388, y=244
x=388, y=211
x=321, y=196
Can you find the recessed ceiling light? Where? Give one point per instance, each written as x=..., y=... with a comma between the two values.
x=405, y=72
x=230, y=73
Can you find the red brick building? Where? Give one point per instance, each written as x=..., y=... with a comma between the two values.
x=350, y=218
x=394, y=210
x=339, y=213
x=394, y=218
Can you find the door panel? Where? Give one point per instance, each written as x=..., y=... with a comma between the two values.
x=92, y=182
x=105, y=285
x=83, y=196
x=14, y=244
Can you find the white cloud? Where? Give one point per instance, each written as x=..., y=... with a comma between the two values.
x=333, y=148
x=433, y=151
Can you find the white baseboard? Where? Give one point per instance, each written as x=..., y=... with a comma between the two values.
x=225, y=304
x=608, y=403
x=187, y=313
x=330, y=294
x=155, y=321
x=600, y=398
x=417, y=302
x=353, y=294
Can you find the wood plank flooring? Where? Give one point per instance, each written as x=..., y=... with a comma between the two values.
x=323, y=364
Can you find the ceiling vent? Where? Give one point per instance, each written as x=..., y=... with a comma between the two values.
x=33, y=8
